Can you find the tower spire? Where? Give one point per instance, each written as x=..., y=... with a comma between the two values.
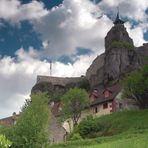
x=118, y=20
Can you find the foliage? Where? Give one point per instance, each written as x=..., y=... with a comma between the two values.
x=76, y=136
x=31, y=129
x=126, y=140
x=74, y=101
x=121, y=44
x=129, y=129
x=56, y=97
x=8, y=131
x=4, y=142
x=84, y=84
x=135, y=86
x=26, y=104
x=113, y=124
x=90, y=127
x=146, y=58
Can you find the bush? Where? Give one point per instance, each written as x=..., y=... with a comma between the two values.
x=121, y=44
x=4, y=142
x=135, y=87
x=76, y=136
x=89, y=127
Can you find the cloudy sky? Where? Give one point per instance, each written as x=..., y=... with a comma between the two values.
x=70, y=33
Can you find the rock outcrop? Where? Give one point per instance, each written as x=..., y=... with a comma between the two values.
x=95, y=73
x=120, y=57
x=120, y=54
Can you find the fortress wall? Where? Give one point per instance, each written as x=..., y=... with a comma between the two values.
x=97, y=64
x=59, y=80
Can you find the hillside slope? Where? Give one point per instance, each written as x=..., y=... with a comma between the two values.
x=128, y=129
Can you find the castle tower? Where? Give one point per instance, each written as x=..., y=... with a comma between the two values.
x=117, y=33
x=120, y=54
x=118, y=20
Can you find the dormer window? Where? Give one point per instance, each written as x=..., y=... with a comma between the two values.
x=107, y=93
x=94, y=95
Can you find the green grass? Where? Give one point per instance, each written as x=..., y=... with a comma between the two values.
x=127, y=129
x=138, y=142
x=136, y=139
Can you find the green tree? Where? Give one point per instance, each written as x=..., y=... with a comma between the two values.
x=135, y=86
x=26, y=104
x=74, y=101
x=4, y=142
x=31, y=129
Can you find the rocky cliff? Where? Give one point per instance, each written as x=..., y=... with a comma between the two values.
x=120, y=57
x=120, y=54
x=95, y=73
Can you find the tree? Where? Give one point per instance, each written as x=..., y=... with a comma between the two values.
x=4, y=142
x=74, y=101
x=26, y=104
x=31, y=129
x=135, y=86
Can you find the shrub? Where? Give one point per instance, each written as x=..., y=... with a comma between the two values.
x=89, y=127
x=4, y=142
x=121, y=44
x=76, y=136
x=135, y=87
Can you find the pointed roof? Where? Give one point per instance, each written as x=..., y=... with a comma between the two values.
x=118, y=20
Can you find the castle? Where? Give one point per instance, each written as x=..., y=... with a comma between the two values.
x=103, y=76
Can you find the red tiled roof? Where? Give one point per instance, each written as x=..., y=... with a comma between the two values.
x=9, y=120
x=115, y=89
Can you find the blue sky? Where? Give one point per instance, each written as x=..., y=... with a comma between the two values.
x=69, y=32
x=13, y=37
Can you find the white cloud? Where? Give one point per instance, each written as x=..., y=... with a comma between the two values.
x=133, y=9
x=15, y=12
x=136, y=33
x=73, y=24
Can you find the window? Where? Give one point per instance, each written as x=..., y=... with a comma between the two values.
x=107, y=93
x=96, y=109
x=105, y=105
x=120, y=106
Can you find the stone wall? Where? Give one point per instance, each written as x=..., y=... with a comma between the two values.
x=62, y=81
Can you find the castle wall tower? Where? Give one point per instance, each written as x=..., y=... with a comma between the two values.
x=117, y=33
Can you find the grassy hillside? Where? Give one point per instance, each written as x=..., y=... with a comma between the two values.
x=127, y=129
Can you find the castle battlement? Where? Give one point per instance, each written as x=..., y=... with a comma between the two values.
x=62, y=81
